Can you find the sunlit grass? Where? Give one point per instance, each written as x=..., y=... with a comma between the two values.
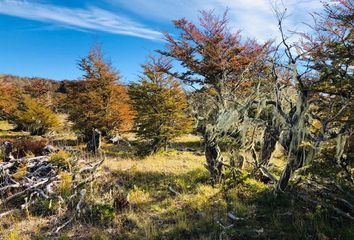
x=5, y=126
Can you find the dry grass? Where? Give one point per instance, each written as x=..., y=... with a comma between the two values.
x=22, y=227
x=174, y=163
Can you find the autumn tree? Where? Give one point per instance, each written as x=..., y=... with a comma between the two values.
x=35, y=117
x=160, y=104
x=97, y=101
x=229, y=68
x=9, y=98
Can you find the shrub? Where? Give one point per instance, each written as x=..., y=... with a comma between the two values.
x=35, y=117
x=9, y=98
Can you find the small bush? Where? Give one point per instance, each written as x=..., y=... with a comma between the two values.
x=35, y=117
x=254, y=185
x=61, y=159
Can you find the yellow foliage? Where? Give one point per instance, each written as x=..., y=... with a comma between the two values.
x=61, y=159
x=316, y=125
x=255, y=185
x=35, y=117
x=306, y=145
x=20, y=173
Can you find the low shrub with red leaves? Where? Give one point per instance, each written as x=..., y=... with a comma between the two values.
x=23, y=147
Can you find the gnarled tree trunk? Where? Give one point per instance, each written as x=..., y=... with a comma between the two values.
x=214, y=161
x=296, y=154
x=270, y=138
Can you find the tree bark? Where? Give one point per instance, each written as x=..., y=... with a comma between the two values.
x=165, y=144
x=270, y=138
x=296, y=155
x=214, y=161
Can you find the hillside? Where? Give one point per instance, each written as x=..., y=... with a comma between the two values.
x=22, y=82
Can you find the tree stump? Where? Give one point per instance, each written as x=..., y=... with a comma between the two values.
x=94, y=144
x=7, y=149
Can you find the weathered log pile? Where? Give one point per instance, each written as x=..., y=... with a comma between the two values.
x=26, y=181
x=26, y=177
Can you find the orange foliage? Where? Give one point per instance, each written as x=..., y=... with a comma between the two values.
x=9, y=97
x=98, y=102
x=121, y=113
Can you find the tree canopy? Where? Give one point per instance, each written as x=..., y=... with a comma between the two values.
x=98, y=101
x=160, y=105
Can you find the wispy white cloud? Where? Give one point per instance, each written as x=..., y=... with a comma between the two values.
x=254, y=17
x=91, y=18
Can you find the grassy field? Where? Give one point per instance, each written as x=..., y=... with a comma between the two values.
x=170, y=196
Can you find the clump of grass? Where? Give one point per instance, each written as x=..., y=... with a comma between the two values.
x=61, y=159
x=182, y=185
x=138, y=196
x=182, y=223
x=147, y=229
x=45, y=207
x=65, y=184
x=201, y=199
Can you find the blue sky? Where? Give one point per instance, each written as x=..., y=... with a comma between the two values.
x=46, y=38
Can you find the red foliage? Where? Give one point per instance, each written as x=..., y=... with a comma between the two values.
x=24, y=147
x=37, y=87
x=212, y=54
